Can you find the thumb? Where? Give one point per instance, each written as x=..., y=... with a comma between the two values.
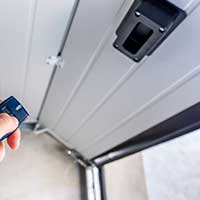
x=2, y=151
x=7, y=124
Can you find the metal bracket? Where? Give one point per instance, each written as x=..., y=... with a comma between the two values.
x=78, y=158
x=57, y=61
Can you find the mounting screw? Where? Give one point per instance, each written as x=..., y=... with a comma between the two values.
x=69, y=152
x=137, y=14
x=136, y=59
x=116, y=45
x=161, y=29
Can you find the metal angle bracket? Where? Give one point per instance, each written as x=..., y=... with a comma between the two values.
x=77, y=157
x=56, y=61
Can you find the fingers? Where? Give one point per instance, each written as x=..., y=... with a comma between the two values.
x=7, y=124
x=2, y=151
x=14, y=140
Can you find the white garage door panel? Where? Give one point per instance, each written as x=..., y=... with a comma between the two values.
x=13, y=39
x=30, y=30
x=106, y=71
x=162, y=69
x=78, y=54
x=180, y=99
x=102, y=98
x=185, y=4
x=49, y=25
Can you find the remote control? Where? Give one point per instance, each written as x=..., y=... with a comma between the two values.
x=14, y=108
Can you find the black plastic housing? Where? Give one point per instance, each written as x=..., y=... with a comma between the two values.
x=146, y=26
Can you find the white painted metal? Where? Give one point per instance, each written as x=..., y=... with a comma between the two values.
x=101, y=98
x=49, y=26
x=15, y=18
x=87, y=38
x=183, y=97
x=187, y=5
x=152, y=79
x=31, y=30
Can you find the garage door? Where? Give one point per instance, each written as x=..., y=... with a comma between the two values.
x=101, y=97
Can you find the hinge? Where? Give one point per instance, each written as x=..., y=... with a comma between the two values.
x=56, y=61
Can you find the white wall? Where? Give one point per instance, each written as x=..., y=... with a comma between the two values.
x=172, y=169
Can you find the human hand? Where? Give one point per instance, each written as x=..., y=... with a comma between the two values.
x=9, y=124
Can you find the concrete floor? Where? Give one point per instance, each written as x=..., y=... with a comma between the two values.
x=40, y=169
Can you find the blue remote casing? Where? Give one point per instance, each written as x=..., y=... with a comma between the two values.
x=14, y=108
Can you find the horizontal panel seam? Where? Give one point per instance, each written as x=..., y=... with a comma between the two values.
x=172, y=88
x=130, y=72
x=87, y=69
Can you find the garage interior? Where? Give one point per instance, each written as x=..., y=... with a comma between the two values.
x=95, y=75
x=42, y=169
